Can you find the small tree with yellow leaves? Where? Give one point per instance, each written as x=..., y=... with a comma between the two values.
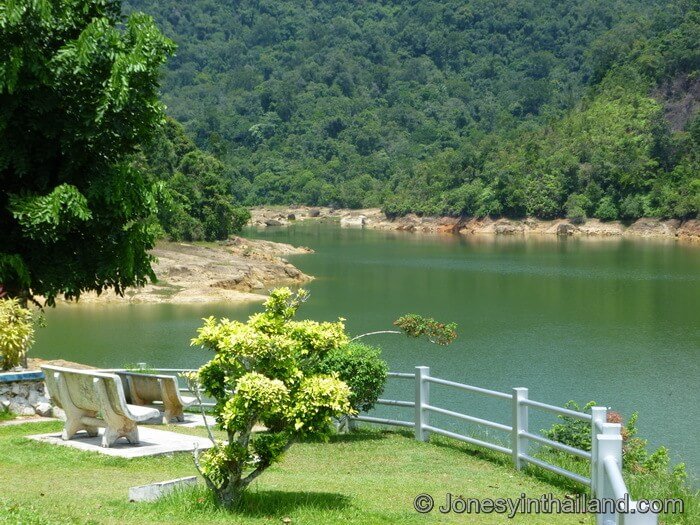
x=262, y=374
x=16, y=333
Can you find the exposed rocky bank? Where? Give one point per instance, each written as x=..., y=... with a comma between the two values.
x=236, y=270
x=373, y=218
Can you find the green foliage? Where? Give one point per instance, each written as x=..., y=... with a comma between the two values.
x=606, y=210
x=16, y=333
x=78, y=94
x=437, y=107
x=414, y=325
x=647, y=474
x=263, y=373
x=5, y=414
x=572, y=431
x=361, y=368
x=198, y=194
x=632, y=207
x=577, y=207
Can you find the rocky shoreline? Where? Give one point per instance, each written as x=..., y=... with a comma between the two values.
x=373, y=218
x=236, y=270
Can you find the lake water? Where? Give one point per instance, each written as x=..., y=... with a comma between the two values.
x=615, y=321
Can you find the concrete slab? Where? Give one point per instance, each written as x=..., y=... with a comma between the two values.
x=191, y=421
x=153, y=443
x=195, y=420
x=155, y=491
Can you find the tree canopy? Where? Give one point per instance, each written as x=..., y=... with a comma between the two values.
x=78, y=95
x=199, y=200
x=543, y=108
x=263, y=372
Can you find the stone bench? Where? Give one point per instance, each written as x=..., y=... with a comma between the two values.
x=94, y=399
x=149, y=389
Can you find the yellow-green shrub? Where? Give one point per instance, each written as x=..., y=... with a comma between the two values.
x=16, y=332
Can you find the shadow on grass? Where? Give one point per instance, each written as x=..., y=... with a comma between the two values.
x=280, y=503
x=355, y=436
x=505, y=460
x=472, y=450
x=198, y=501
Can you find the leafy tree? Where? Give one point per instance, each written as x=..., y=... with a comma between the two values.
x=198, y=190
x=606, y=210
x=16, y=333
x=576, y=208
x=262, y=373
x=361, y=368
x=293, y=377
x=632, y=207
x=78, y=94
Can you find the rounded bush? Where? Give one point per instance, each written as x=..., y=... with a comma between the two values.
x=361, y=368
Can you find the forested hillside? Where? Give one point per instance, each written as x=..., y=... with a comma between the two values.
x=536, y=107
x=196, y=190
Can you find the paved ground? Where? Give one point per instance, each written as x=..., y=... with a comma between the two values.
x=191, y=421
x=195, y=420
x=23, y=420
x=153, y=442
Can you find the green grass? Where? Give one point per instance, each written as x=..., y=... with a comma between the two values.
x=646, y=485
x=369, y=477
x=6, y=415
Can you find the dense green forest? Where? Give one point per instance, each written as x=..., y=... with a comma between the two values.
x=195, y=189
x=537, y=107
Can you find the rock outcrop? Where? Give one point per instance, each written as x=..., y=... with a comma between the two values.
x=373, y=218
x=238, y=269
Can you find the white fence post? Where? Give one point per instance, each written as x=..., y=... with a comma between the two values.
x=422, y=399
x=609, y=445
x=598, y=415
x=519, y=444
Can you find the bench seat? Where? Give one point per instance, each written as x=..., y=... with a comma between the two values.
x=92, y=399
x=156, y=391
x=143, y=413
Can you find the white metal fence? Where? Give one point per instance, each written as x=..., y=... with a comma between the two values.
x=605, y=457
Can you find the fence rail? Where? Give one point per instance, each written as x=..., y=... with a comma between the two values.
x=605, y=481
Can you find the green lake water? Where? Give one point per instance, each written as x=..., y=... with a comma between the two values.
x=615, y=321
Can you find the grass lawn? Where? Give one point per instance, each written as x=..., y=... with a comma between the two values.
x=370, y=477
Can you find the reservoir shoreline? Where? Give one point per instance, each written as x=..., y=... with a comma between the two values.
x=238, y=270
x=374, y=218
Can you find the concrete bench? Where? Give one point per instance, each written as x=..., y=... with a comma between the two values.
x=149, y=389
x=92, y=400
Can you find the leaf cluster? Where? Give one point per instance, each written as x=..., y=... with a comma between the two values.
x=414, y=325
x=16, y=332
x=262, y=374
x=78, y=96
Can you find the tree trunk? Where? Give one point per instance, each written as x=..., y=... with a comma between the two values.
x=230, y=495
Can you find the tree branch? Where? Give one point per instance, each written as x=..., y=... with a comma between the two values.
x=375, y=333
x=209, y=482
x=259, y=470
x=194, y=388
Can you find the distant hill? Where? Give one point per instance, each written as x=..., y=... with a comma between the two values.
x=530, y=107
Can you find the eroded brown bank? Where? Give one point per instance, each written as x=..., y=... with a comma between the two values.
x=238, y=270
x=373, y=218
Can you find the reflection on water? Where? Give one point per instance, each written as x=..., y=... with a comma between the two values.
x=614, y=321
